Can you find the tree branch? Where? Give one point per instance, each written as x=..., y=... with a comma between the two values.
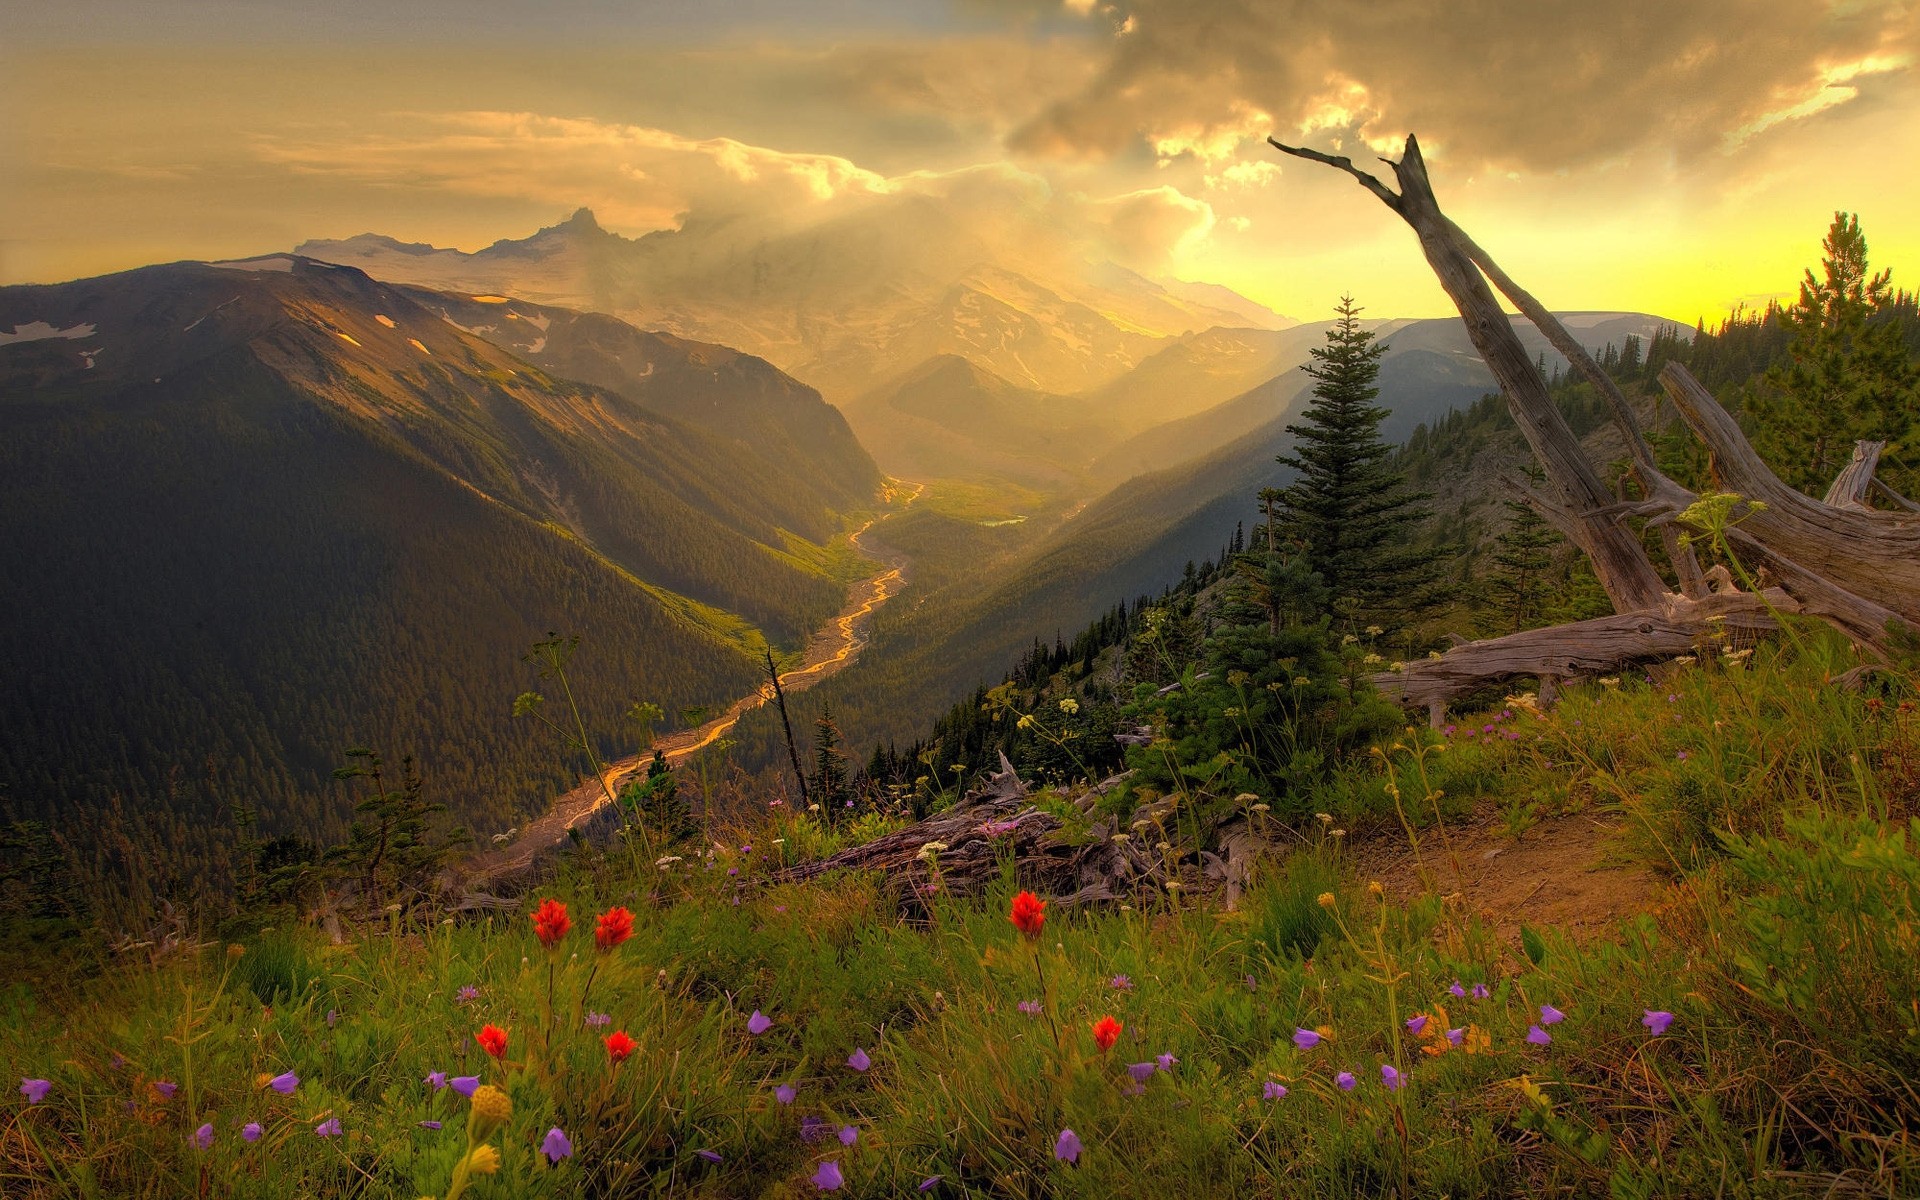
x=1342, y=163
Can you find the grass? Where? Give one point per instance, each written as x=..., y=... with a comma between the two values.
x=1784, y=947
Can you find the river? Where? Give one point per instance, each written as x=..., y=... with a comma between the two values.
x=832, y=647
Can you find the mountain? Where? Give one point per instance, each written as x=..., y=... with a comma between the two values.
x=1429, y=366
x=846, y=304
x=949, y=417
x=267, y=511
x=713, y=388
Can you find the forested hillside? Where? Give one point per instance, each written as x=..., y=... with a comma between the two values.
x=256, y=516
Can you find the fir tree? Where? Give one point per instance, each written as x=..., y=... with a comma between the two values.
x=1349, y=510
x=1518, y=587
x=1847, y=375
x=829, y=787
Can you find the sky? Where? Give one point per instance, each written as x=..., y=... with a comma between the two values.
x=1678, y=159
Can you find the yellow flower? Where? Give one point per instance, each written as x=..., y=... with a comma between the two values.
x=483, y=1160
x=492, y=1108
x=1327, y=900
x=1069, y=706
x=1376, y=889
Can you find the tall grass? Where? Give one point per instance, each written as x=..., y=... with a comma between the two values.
x=1784, y=950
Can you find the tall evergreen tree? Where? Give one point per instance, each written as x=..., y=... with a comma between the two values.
x=1519, y=586
x=830, y=788
x=1350, y=511
x=1848, y=374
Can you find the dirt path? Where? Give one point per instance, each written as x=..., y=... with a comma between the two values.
x=832, y=647
x=1559, y=874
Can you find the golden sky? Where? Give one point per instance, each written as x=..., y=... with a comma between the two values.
x=1670, y=158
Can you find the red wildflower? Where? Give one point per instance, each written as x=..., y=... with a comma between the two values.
x=1029, y=914
x=619, y=1045
x=614, y=926
x=1106, y=1031
x=550, y=923
x=493, y=1040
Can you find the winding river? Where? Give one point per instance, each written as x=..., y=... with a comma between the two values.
x=831, y=648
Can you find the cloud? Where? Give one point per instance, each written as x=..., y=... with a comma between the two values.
x=1529, y=85
x=638, y=178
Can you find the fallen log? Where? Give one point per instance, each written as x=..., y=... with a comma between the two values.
x=1850, y=488
x=959, y=851
x=1601, y=646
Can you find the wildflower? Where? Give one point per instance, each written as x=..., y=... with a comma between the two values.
x=858, y=1060
x=493, y=1040
x=612, y=927
x=333, y=1017
x=1326, y=900
x=1306, y=1039
x=812, y=1128
x=483, y=1160
x=848, y=1135
x=1029, y=914
x=433, y=1125
x=784, y=1093
x=467, y=994
x=1682, y=756
x=1538, y=1036
x=598, y=1020
x=437, y=1080
x=1456, y=990
x=1273, y=1091
x=203, y=1136
x=1142, y=1071
x=1066, y=1147
x=926, y=1185
x=166, y=1090
x=1120, y=983
x=758, y=1023
x=1166, y=1062
x=550, y=922
x=1027, y=721
x=1416, y=1024
x=251, y=1131
x=1069, y=706
x=1657, y=1021
x=828, y=1178
x=1345, y=1081
x=1029, y=1007
x=284, y=1083
x=556, y=1146
x=328, y=1128
x=491, y=1109
x=619, y=1046
x=466, y=1085
x=1106, y=1031
x=1480, y=991
x=1338, y=833
x=708, y=1155
x=1262, y=808
x=1549, y=1015
x=1391, y=1076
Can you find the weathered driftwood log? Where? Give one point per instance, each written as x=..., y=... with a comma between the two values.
x=1601, y=646
x=1850, y=489
x=1870, y=560
x=994, y=821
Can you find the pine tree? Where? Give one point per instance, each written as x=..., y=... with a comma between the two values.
x=1349, y=510
x=1847, y=375
x=1518, y=587
x=829, y=787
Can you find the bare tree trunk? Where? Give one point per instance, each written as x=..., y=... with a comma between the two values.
x=1619, y=561
x=1857, y=568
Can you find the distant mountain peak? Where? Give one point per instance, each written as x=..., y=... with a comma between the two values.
x=582, y=221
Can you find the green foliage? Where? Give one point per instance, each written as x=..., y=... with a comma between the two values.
x=1349, y=510
x=1287, y=922
x=1849, y=374
x=276, y=969
x=397, y=842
